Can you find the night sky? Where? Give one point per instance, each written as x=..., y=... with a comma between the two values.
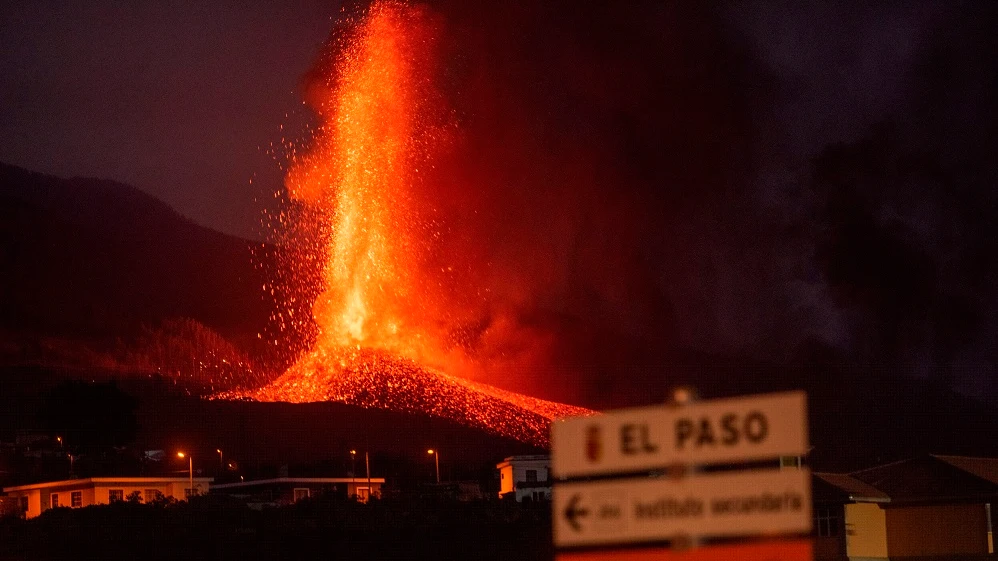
x=744, y=179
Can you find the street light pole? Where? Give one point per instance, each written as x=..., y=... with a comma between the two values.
x=190, y=466
x=221, y=462
x=367, y=462
x=436, y=459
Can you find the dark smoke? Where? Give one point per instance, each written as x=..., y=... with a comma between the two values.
x=637, y=187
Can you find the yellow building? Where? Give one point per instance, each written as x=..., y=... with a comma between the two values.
x=36, y=498
x=934, y=507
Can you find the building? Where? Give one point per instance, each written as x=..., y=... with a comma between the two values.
x=930, y=507
x=286, y=490
x=848, y=518
x=36, y=498
x=525, y=478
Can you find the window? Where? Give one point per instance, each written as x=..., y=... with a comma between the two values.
x=115, y=495
x=531, y=476
x=54, y=500
x=539, y=496
x=826, y=521
x=24, y=504
x=76, y=499
x=301, y=494
x=152, y=495
x=789, y=462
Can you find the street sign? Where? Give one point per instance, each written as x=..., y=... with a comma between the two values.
x=791, y=550
x=644, y=438
x=723, y=504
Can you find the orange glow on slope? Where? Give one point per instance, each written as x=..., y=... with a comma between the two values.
x=377, y=313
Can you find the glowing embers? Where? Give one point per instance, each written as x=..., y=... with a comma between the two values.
x=361, y=172
x=382, y=305
x=372, y=378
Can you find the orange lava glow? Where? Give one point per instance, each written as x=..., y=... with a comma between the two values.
x=379, y=342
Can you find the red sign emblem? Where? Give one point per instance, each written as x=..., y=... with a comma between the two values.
x=594, y=444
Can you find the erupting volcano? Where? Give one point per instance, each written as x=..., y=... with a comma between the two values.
x=386, y=312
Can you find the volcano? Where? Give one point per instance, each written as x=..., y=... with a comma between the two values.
x=390, y=298
x=377, y=379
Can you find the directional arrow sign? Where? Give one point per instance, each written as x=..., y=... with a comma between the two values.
x=704, y=505
x=573, y=513
x=723, y=430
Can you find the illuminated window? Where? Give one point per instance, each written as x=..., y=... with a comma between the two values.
x=115, y=495
x=826, y=521
x=152, y=495
x=790, y=462
x=76, y=499
x=55, y=500
x=531, y=476
x=301, y=494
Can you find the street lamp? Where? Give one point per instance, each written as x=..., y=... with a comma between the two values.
x=436, y=458
x=59, y=440
x=190, y=460
x=221, y=462
x=353, y=465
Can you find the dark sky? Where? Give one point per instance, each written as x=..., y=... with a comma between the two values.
x=181, y=99
x=178, y=98
x=737, y=178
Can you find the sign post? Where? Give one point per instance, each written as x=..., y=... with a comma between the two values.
x=642, y=506
x=645, y=438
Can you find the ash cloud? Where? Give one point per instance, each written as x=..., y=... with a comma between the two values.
x=635, y=188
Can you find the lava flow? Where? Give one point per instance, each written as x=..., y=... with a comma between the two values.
x=384, y=293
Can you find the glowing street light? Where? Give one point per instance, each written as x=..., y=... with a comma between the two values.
x=436, y=459
x=221, y=462
x=353, y=465
x=190, y=460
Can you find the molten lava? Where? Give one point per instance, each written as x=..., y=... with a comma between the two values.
x=384, y=294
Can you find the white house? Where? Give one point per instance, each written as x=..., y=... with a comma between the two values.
x=525, y=477
x=75, y=493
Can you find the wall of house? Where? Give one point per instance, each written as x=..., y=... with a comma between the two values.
x=830, y=547
x=533, y=494
x=176, y=489
x=35, y=506
x=936, y=530
x=505, y=480
x=866, y=531
x=520, y=470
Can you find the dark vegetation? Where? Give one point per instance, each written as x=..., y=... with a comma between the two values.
x=322, y=527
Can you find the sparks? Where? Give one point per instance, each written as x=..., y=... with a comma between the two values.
x=378, y=343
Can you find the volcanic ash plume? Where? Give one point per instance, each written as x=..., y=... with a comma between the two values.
x=385, y=296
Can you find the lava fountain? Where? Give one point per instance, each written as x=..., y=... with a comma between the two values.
x=380, y=343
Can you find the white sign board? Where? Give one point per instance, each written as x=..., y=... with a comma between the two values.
x=644, y=438
x=648, y=509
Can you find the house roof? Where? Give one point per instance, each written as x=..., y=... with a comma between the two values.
x=538, y=460
x=853, y=488
x=106, y=481
x=928, y=478
x=985, y=468
x=300, y=480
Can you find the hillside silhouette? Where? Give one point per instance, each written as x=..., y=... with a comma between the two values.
x=97, y=259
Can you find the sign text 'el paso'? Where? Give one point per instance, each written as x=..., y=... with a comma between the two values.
x=725, y=430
